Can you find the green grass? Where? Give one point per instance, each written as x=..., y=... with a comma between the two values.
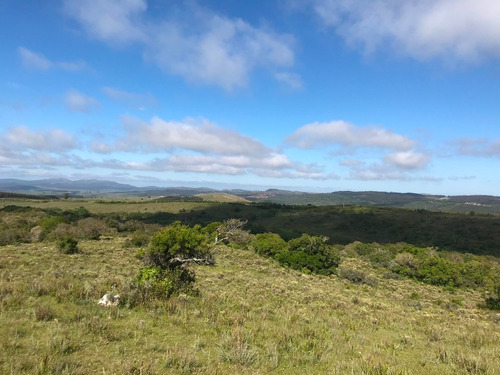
x=106, y=206
x=251, y=317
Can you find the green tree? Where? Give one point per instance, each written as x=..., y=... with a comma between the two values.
x=269, y=244
x=178, y=245
x=310, y=254
x=167, y=259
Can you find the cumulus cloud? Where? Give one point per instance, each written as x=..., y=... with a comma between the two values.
x=391, y=155
x=213, y=164
x=462, y=30
x=37, y=149
x=191, y=145
x=54, y=140
x=137, y=101
x=198, y=145
x=78, y=102
x=36, y=61
x=193, y=42
x=407, y=159
x=340, y=133
x=198, y=135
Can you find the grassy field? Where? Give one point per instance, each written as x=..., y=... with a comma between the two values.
x=251, y=317
x=106, y=206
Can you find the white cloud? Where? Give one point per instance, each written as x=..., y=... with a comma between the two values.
x=190, y=134
x=340, y=133
x=101, y=148
x=137, y=101
x=192, y=42
x=36, y=61
x=114, y=21
x=407, y=159
x=459, y=30
x=78, y=102
x=198, y=145
x=54, y=140
x=37, y=149
x=357, y=140
x=217, y=50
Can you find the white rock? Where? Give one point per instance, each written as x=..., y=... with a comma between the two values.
x=109, y=300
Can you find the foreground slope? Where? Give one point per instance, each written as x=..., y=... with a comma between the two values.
x=252, y=317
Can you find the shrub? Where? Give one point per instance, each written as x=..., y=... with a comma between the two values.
x=68, y=245
x=49, y=224
x=357, y=276
x=177, y=245
x=231, y=231
x=310, y=254
x=269, y=244
x=166, y=260
x=93, y=228
x=140, y=238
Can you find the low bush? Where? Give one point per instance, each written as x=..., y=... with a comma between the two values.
x=357, y=276
x=140, y=238
x=68, y=245
x=310, y=254
x=166, y=263
x=269, y=244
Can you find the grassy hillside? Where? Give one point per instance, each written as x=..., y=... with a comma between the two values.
x=251, y=317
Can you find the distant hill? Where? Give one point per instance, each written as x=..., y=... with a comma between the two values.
x=110, y=189
x=61, y=186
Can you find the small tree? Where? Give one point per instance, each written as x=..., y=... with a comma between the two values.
x=231, y=230
x=178, y=245
x=167, y=260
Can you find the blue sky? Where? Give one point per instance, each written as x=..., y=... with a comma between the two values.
x=316, y=95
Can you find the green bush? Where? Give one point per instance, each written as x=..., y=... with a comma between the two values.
x=166, y=262
x=269, y=244
x=176, y=245
x=68, y=245
x=310, y=254
x=50, y=224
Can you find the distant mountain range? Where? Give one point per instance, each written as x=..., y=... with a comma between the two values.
x=108, y=189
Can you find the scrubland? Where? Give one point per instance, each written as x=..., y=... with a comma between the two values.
x=250, y=316
x=247, y=314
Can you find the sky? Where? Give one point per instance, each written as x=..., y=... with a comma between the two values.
x=310, y=95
